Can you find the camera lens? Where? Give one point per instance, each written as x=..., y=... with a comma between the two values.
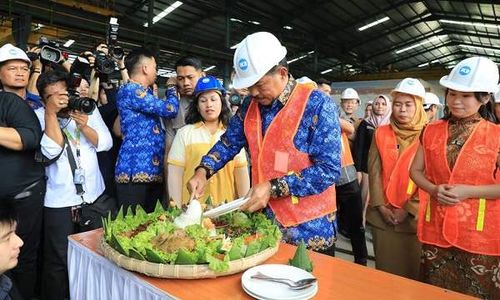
x=84, y=105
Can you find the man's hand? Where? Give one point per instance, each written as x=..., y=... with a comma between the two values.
x=56, y=102
x=80, y=118
x=259, y=197
x=37, y=64
x=196, y=185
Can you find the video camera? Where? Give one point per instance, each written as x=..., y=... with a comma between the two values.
x=49, y=52
x=83, y=104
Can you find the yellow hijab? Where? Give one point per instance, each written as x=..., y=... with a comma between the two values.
x=407, y=133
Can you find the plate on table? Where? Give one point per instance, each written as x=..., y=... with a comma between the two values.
x=268, y=290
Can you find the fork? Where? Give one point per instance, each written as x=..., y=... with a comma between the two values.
x=294, y=285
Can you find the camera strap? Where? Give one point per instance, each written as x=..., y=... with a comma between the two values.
x=72, y=161
x=75, y=142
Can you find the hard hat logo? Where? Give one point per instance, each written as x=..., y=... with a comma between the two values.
x=411, y=82
x=243, y=64
x=465, y=70
x=206, y=80
x=13, y=51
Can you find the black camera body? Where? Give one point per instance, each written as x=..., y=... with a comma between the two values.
x=75, y=102
x=104, y=64
x=111, y=39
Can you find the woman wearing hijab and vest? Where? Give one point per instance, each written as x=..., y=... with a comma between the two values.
x=380, y=114
x=393, y=200
x=457, y=171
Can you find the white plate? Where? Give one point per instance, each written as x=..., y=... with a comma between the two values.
x=225, y=208
x=268, y=290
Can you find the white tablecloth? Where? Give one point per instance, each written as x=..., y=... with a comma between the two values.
x=93, y=277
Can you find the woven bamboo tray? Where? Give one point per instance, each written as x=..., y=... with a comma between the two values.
x=183, y=271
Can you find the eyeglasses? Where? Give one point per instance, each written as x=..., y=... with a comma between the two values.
x=18, y=69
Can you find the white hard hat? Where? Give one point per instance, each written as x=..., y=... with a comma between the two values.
x=431, y=98
x=474, y=74
x=254, y=57
x=410, y=86
x=497, y=95
x=349, y=93
x=9, y=52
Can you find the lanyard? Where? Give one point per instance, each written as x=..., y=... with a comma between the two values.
x=75, y=142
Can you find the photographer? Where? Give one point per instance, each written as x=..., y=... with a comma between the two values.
x=71, y=140
x=24, y=184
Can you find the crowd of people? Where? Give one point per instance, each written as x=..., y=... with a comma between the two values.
x=73, y=151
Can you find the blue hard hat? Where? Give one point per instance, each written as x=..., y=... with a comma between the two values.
x=208, y=83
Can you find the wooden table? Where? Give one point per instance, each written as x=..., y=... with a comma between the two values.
x=337, y=279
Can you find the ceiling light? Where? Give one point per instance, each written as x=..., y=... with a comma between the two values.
x=236, y=20
x=165, y=12
x=423, y=65
x=485, y=48
x=287, y=27
x=470, y=23
x=208, y=68
x=254, y=22
x=449, y=66
x=326, y=71
x=384, y=19
x=433, y=39
x=310, y=52
x=300, y=57
x=68, y=43
x=234, y=46
x=435, y=61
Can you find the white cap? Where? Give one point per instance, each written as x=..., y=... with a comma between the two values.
x=474, y=74
x=254, y=57
x=9, y=52
x=497, y=95
x=431, y=98
x=410, y=86
x=349, y=93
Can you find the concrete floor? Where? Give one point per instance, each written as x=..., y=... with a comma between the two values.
x=343, y=245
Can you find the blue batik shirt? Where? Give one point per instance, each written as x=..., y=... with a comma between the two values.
x=34, y=101
x=140, y=159
x=318, y=135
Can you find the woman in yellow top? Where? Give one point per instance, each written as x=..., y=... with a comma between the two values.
x=207, y=118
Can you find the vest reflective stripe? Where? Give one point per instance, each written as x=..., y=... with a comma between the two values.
x=275, y=155
x=346, y=151
x=471, y=225
x=398, y=187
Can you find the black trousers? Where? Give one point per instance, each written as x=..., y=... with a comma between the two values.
x=144, y=194
x=350, y=218
x=58, y=224
x=29, y=211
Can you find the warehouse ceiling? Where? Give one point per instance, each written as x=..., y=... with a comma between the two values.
x=323, y=38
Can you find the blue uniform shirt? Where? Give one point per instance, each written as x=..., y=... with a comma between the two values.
x=140, y=159
x=318, y=135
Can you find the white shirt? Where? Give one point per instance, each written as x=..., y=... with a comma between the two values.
x=61, y=191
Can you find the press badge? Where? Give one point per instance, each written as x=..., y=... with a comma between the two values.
x=79, y=176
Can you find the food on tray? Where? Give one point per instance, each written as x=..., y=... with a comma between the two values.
x=191, y=216
x=172, y=237
x=301, y=259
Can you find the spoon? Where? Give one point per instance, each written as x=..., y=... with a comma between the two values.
x=294, y=285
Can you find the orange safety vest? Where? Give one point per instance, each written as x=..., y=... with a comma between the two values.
x=275, y=155
x=346, y=151
x=471, y=225
x=398, y=187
